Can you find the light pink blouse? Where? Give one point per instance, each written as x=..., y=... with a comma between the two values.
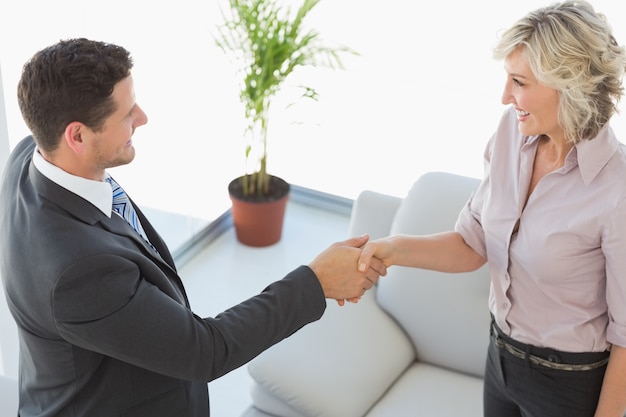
x=560, y=280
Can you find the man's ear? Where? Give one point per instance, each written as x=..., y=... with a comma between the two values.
x=73, y=136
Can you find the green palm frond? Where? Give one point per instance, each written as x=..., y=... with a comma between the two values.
x=267, y=44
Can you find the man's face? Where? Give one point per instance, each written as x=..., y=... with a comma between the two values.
x=113, y=146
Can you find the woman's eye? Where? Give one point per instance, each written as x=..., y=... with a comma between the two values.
x=518, y=82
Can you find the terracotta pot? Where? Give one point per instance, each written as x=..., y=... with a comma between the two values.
x=259, y=223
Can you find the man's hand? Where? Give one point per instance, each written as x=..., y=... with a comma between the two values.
x=337, y=270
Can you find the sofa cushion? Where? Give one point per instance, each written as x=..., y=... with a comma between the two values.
x=426, y=390
x=445, y=315
x=338, y=366
x=264, y=400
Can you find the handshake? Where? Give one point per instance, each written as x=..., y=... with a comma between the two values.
x=347, y=269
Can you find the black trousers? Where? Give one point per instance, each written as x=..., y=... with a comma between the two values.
x=515, y=387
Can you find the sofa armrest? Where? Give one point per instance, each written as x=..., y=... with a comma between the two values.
x=373, y=213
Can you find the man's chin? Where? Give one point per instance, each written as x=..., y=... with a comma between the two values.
x=122, y=161
x=129, y=156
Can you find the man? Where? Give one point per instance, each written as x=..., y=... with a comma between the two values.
x=104, y=323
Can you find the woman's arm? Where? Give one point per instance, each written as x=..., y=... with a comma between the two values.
x=445, y=252
x=612, y=397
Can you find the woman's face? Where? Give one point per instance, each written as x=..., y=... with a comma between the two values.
x=536, y=104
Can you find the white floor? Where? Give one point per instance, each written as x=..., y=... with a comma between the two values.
x=227, y=272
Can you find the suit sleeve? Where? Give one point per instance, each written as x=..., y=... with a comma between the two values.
x=103, y=304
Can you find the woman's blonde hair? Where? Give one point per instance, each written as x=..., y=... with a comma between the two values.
x=571, y=48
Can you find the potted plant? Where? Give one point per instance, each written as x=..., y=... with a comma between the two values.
x=267, y=43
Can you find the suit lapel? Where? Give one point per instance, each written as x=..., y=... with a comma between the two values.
x=90, y=214
x=154, y=236
x=82, y=210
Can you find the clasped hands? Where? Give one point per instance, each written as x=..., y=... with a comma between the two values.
x=345, y=271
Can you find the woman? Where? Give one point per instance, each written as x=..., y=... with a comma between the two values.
x=550, y=219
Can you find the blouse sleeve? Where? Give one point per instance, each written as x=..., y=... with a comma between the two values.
x=468, y=223
x=614, y=249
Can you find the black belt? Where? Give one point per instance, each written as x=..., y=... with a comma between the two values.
x=549, y=358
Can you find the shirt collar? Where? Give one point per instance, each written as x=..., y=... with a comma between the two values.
x=591, y=155
x=97, y=193
x=594, y=154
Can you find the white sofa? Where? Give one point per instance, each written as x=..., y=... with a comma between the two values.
x=414, y=346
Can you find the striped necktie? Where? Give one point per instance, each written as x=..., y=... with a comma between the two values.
x=123, y=207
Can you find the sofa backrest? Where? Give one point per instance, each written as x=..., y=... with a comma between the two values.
x=445, y=315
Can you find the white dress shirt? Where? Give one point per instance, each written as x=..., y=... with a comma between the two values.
x=97, y=193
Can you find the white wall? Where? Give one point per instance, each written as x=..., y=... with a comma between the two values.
x=4, y=133
x=8, y=331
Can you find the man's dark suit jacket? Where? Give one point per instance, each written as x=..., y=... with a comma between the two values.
x=104, y=323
